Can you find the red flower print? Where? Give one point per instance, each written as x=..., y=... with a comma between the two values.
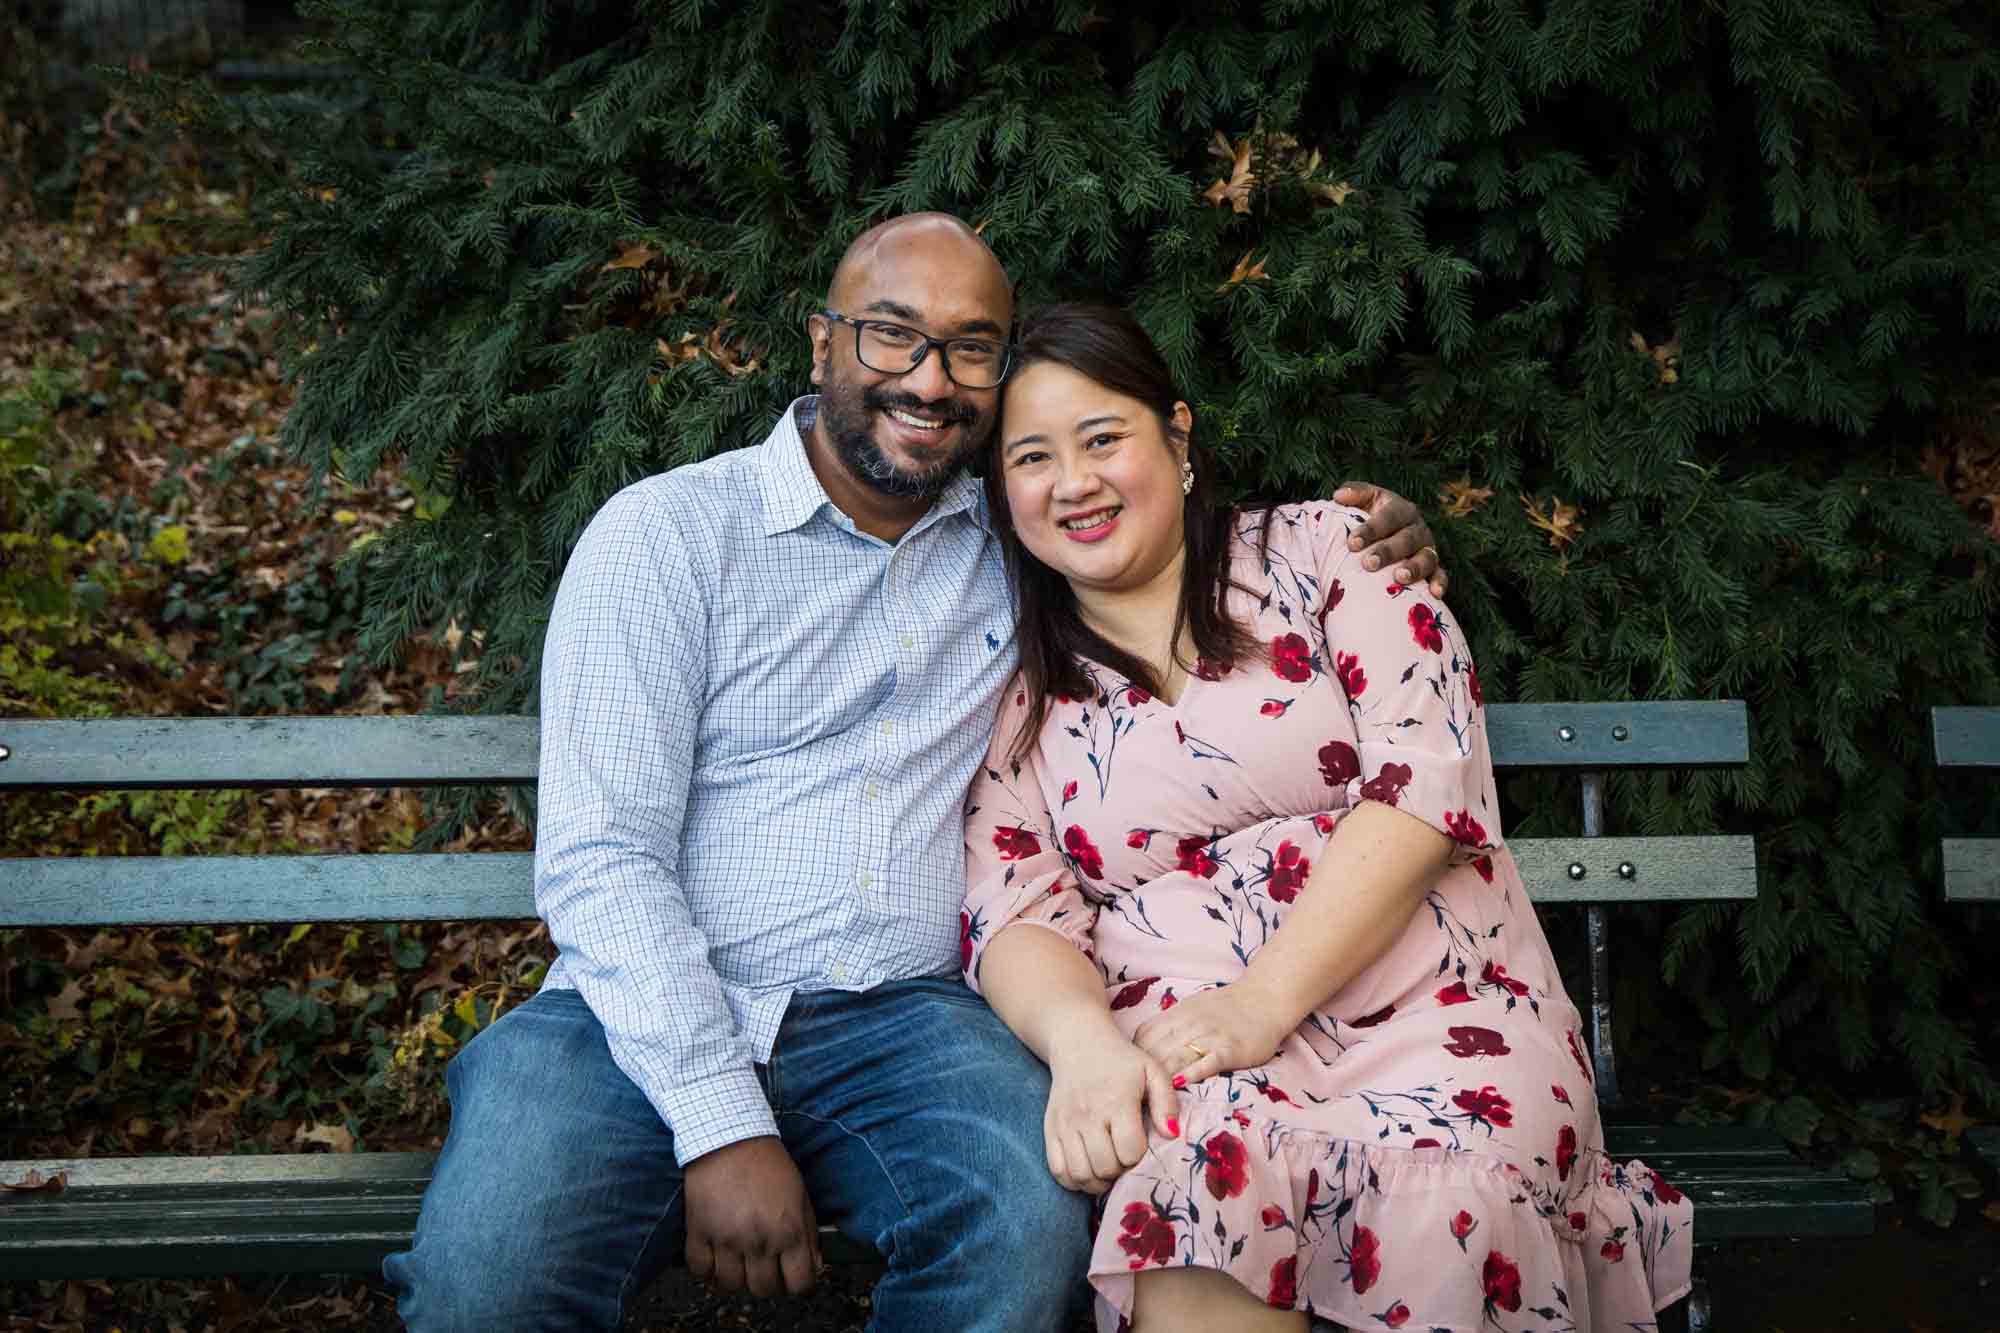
x=1472, y=680
x=1273, y=1093
x=1338, y=763
x=1274, y=1217
x=1484, y=865
x=1291, y=658
x=1464, y=828
x=1132, y=993
x=1084, y=852
x=1352, y=678
x=1015, y=843
x=1395, y=589
x=1180, y=737
x=1664, y=1192
x=1486, y=1104
x=1468, y=1042
x=1364, y=1260
x=1069, y=791
x=1502, y=1281
x=1138, y=838
x=1167, y=1000
x=1324, y=823
x=1289, y=869
x=1613, y=1251
x=1194, y=857
x=1493, y=974
x=1462, y=1226
x=1136, y=696
x=1227, y=1164
x=1312, y=1186
x=1284, y=1282
x=1207, y=668
x=1577, y=1221
x=1561, y=1094
x=1275, y=707
x=1455, y=993
x=1146, y=1234
x=964, y=940
x=1427, y=1143
x=1387, y=786
x=1395, y=1316
x=1334, y=592
x=1382, y=1015
x=1565, y=1151
x=1576, y=1054
x=1425, y=628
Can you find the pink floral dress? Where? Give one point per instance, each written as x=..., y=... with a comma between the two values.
x=1424, y=1150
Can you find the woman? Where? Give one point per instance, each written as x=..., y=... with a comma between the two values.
x=1237, y=875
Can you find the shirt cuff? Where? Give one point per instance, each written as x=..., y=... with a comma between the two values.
x=724, y=1108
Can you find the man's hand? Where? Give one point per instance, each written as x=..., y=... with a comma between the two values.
x=1093, y=1129
x=1394, y=535
x=749, y=1222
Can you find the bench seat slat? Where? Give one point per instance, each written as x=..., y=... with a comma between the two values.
x=141, y=753
x=180, y=890
x=464, y=886
x=1971, y=870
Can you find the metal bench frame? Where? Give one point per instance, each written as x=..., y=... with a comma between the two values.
x=181, y=1216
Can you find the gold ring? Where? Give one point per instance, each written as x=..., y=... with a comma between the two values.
x=1196, y=1049
x=1433, y=550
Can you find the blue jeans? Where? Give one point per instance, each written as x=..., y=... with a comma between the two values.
x=914, y=1115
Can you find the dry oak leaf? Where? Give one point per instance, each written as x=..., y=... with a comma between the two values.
x=37, y=1183
x=632, y=256
x=1461, y=497
x=1236, y=190
x=335, y=1137
x=1666, y=357
x=1952, y=1122
x=1244, y=271
x=63, y=1007
x=1560, y=522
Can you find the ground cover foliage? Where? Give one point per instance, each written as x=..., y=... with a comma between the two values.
x=1678, y=319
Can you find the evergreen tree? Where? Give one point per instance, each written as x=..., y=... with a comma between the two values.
x=1656, y=305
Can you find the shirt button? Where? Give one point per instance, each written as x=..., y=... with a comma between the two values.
x=888, y=728
x=872, y=791
x=839, y=972
x=909, y=641
x=866, y=879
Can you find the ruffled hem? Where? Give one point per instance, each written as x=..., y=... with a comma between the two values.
x=1373, y=1236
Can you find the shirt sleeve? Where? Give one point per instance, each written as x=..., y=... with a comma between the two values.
x=1412, y=689
x=1015, y=872
x=622, y=689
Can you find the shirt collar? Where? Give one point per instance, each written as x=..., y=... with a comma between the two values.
x=793, y=494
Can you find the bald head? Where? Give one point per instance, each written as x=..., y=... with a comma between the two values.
x=918, y=245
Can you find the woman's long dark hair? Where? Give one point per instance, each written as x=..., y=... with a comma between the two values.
x=1106, y=345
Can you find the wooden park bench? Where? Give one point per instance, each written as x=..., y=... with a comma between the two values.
x=296, y=1213
x=1969, y=739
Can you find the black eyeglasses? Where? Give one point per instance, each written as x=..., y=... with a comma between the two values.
x=898, y=349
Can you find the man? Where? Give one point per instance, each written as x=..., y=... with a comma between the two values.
x=769, y=678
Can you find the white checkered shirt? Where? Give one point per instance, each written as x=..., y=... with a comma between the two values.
x=758, y=725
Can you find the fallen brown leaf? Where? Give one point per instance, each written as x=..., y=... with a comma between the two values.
x=1235, y=190
x=1244, y=271
x=632, y=256
x=37, y=1183
x=1461, y=497
x=1560, y=522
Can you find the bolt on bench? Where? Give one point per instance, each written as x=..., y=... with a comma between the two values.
x=290, y=1213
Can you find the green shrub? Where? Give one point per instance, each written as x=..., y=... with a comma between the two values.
x=1656, y=303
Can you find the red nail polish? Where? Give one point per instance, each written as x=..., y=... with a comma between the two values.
x=1173, y=1127
x=1180, y=1081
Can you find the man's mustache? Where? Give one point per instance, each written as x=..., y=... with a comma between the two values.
x=944, y=409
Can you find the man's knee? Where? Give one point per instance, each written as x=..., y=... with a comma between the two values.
x=556, y=1190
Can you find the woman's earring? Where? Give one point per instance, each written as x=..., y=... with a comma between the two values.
x=1187, y=476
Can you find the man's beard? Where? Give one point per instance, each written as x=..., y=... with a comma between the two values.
x=848, y=413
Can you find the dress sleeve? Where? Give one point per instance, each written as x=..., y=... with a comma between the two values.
x=1398, y=655
x=1015, y=872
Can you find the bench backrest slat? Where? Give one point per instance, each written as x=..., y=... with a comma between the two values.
x=132, y=753
x=1966, y=737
